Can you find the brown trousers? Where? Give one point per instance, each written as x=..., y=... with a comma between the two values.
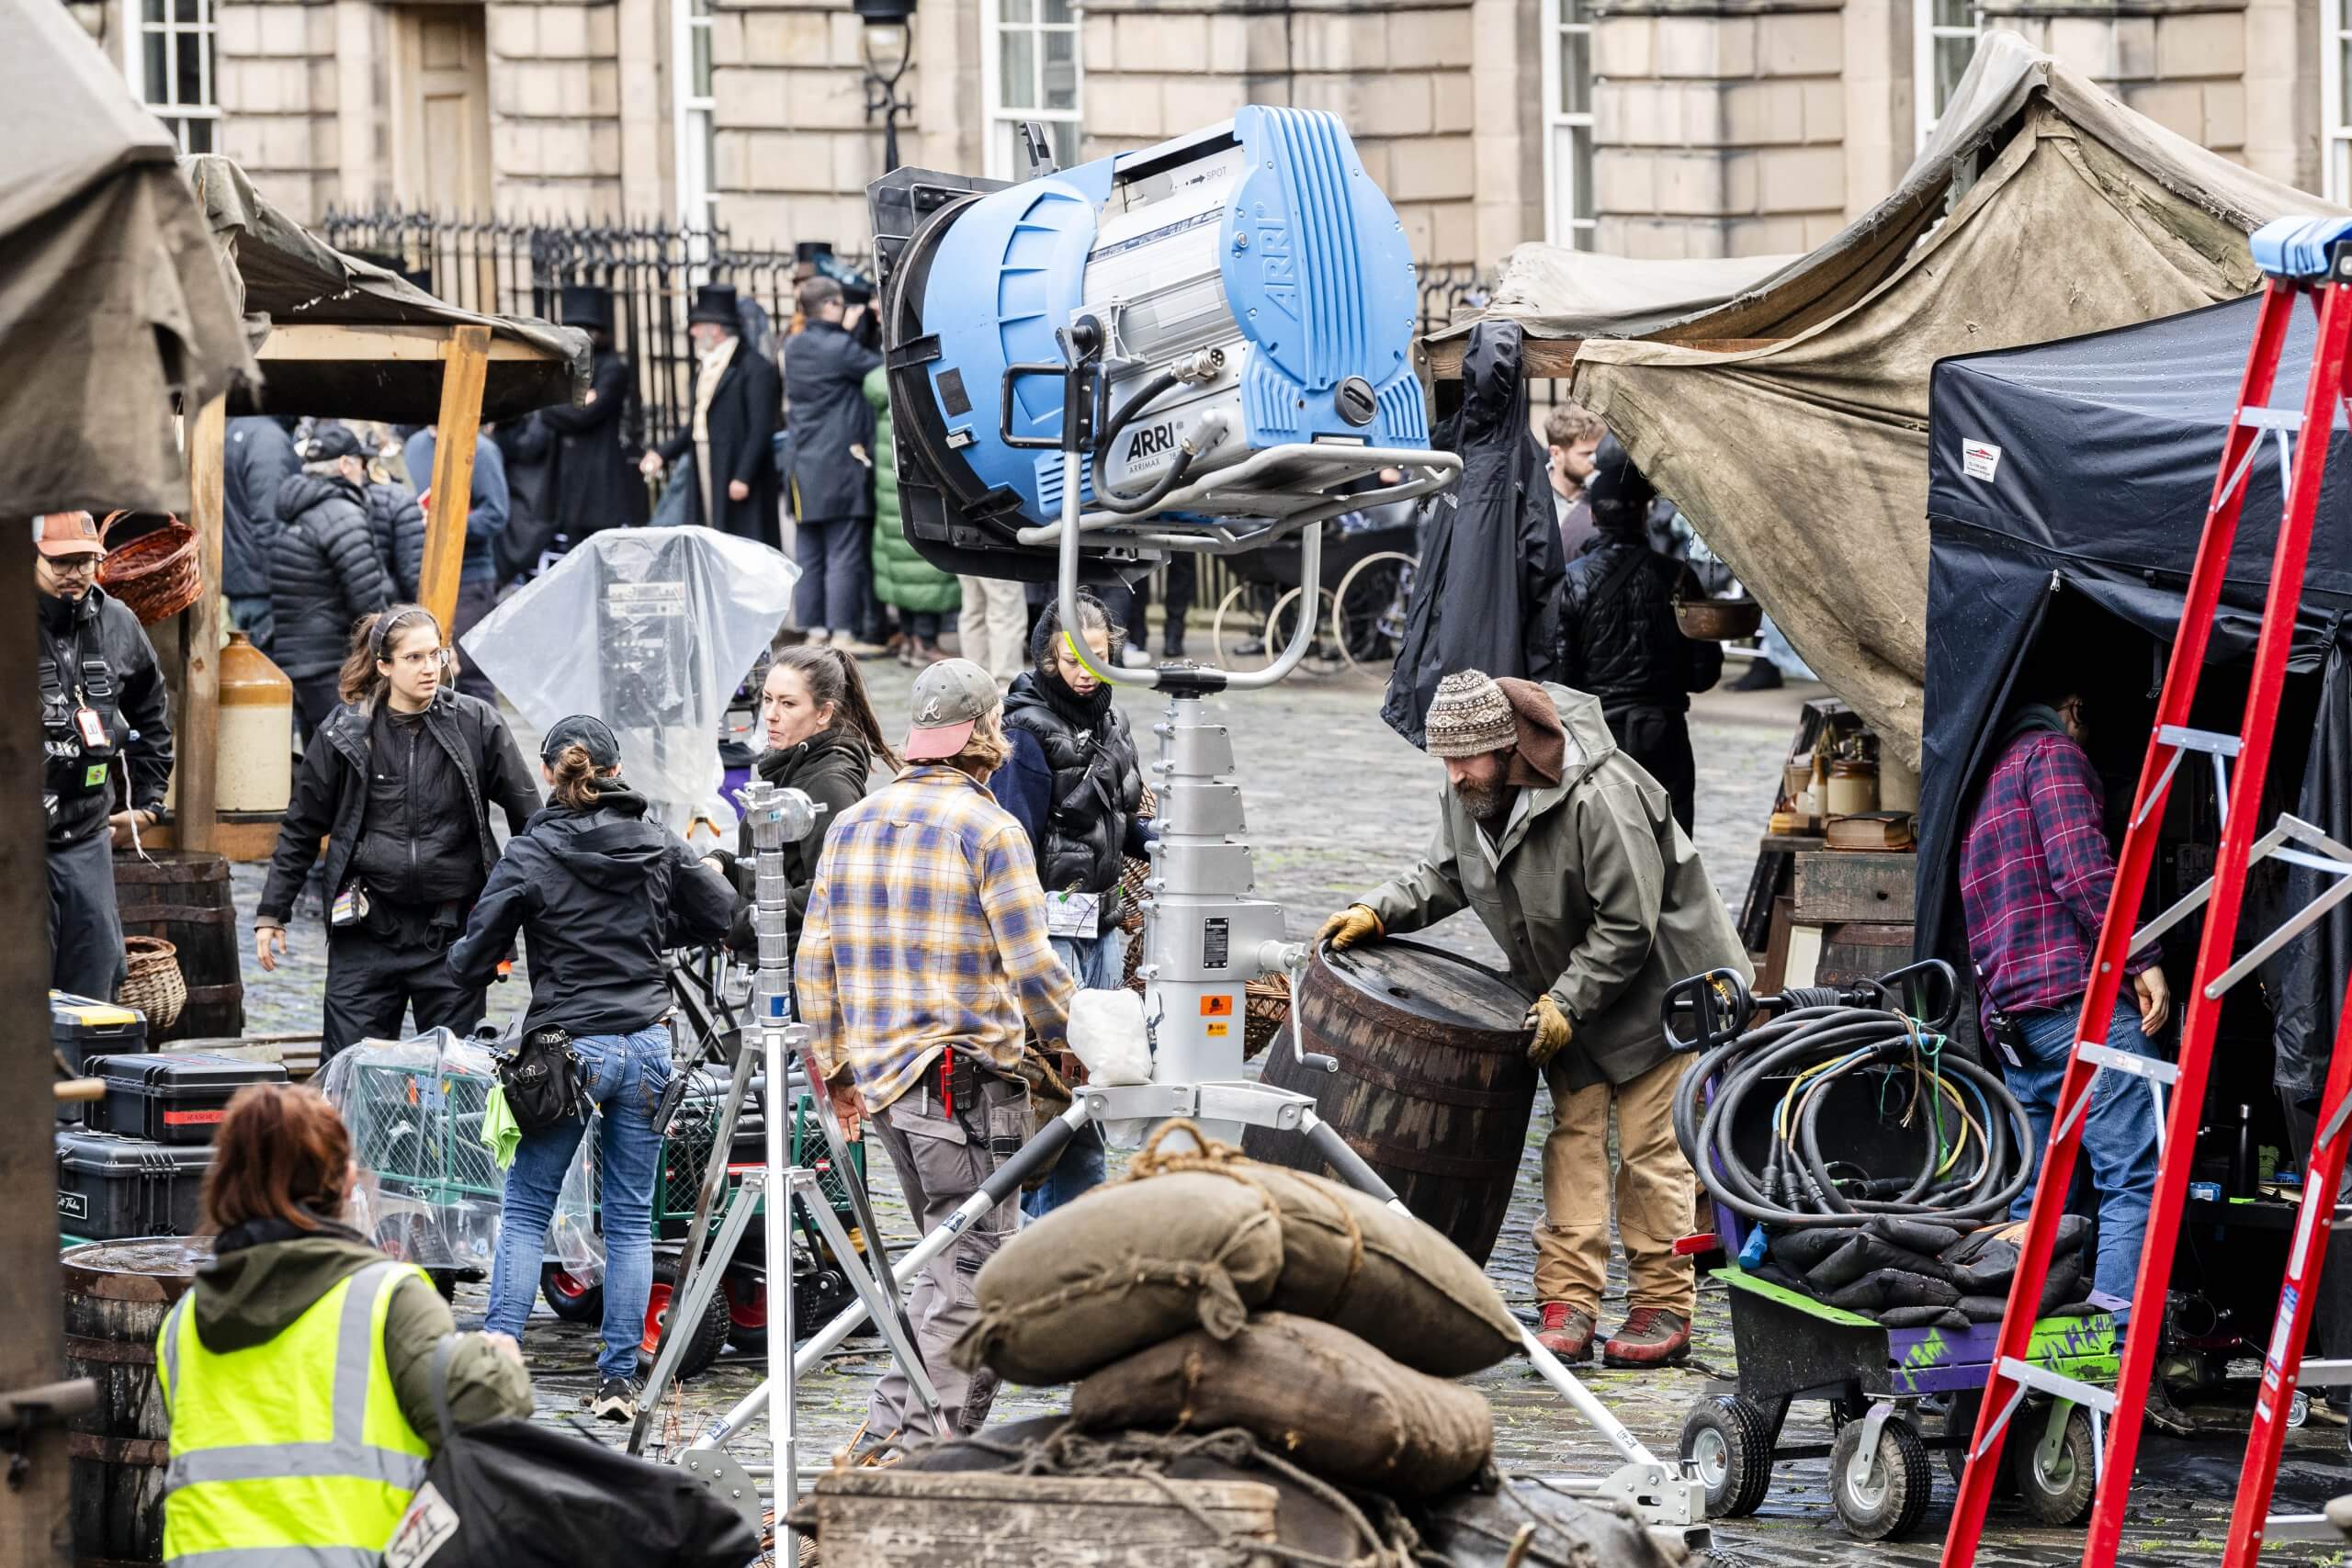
x=1653, y=1189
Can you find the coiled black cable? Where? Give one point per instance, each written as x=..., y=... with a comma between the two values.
x=1796, y=1058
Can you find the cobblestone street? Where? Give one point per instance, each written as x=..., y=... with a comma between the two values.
x=1336, y=802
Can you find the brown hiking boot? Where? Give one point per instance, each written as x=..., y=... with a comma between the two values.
x=1651, y=1336
x=1568, y=1334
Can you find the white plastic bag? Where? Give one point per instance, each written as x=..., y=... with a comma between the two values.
x=1106, y=1034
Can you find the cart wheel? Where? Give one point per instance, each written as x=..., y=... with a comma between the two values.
x=709, y=1335
x=1730, y=1440
x=445, y=1281
x=1235, y=618
x=1362, y=604
x=2061, y=1491
x=747, y=1312
x=1282, y=625
x=572, y=1297
x=1885, y=1502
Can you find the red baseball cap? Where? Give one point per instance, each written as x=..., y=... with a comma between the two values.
x=61, y=533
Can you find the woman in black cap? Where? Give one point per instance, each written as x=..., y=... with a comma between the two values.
x=601, y=894
x=399, y=780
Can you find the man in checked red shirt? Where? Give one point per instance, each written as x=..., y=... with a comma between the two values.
x=2035, y=871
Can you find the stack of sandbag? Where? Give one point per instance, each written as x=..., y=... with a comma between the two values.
x=1210, y=1291
x=1912, y=1273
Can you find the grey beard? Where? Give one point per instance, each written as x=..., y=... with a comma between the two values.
x=1482, y=801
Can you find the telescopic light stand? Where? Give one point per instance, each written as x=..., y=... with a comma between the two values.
x=1205, y=938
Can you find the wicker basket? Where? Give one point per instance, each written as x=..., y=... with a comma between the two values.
x=157, y=574
x=1266, y=1009
x=1718, y=620
x=154, y=986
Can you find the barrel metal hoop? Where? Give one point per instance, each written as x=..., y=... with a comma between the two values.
x=153, y=1453
x=177, y=915
x=133, y=1353
x=1422, y=1163
x=1435, y=1090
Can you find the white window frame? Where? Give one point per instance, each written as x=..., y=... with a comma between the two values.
x=996, y=147
x=695, y=114
x=1561, y=224
x=1925, y=32
x=174, y=116
x=2335, y=125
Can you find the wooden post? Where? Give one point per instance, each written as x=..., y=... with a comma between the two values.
x=198, y=741
x=466, y=365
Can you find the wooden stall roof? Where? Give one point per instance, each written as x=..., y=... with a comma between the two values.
x=344, y=337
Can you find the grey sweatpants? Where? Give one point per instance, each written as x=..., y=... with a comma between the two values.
x=941, y=1160
x=84, y=927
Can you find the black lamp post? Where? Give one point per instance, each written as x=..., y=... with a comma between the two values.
x=888, y=45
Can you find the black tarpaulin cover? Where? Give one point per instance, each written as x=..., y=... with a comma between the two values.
x=2083, y=467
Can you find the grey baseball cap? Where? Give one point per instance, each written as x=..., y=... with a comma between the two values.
x=950, y=697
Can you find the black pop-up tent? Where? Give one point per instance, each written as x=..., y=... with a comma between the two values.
x=2071, y=477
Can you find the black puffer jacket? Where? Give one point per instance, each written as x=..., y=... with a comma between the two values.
x=324, y=572
x=397, y=521
x=601, y=896
x=833, y=766
x=257, y=460
x=1097, y=781
x=331, y=793
x=94, y=649
x=1618, y=636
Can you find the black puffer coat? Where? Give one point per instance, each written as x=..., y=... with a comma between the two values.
x=324, y=572
x=257, y=460
x=1618, y=636
x=1097, y=781
x=397, y=521
x=601, y=896
x=833, y=766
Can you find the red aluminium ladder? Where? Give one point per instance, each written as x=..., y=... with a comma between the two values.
x=2302, y=259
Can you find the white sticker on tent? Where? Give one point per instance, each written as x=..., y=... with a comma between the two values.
x=1981, y=458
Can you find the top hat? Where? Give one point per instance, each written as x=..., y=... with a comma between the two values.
x=715, y=302
x=587, y=304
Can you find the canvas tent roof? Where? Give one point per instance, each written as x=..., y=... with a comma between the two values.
x=364, y=343
x=1556, y=292
x=112, y=299
x=2040, y=208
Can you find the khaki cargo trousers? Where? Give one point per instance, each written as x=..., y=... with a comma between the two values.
x=1653, y=1190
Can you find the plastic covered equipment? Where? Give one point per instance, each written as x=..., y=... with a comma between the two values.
x=651, y=629
x=433, y=1191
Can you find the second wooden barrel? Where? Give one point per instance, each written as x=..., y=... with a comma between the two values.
x=1433, y=1089
x=182, y=896
x=116, y=1295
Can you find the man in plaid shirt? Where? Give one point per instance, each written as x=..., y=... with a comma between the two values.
x=2035, y=873
x=923, y=965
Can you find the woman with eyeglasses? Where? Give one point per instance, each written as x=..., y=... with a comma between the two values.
x=399, y=781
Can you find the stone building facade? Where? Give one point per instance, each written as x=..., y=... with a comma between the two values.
x=1658, y=127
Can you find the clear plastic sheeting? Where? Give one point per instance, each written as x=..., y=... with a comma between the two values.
x=651, y=629
x=432, y=1192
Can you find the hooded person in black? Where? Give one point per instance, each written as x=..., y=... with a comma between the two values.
x=599, y=895
x=1619, y=639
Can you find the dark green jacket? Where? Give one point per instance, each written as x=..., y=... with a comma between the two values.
x=900, y=576
x=248, y=1296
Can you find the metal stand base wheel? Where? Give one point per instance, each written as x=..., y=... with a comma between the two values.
x=572, y=1297
x=1885, y=1500
x=1730, y=1440
x=709, y=1335
x=747, y=1312
x=2061, y=1491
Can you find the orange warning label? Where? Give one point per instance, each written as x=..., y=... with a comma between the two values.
x=1217, y=1007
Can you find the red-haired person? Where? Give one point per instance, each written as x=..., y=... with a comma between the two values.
x=299, y=1370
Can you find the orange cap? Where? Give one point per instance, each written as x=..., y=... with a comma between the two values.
x=68, y=533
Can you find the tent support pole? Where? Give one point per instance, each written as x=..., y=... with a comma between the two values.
x=198, y=743
x=465, y=367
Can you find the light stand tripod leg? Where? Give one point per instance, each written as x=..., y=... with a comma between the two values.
x=692, y=1299
x=874, y=1295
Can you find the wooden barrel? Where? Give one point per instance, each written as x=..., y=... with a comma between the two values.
x=183, y=897
x=116, y=1295
x=1433, y=1089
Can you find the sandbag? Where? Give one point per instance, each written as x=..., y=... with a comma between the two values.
x=1126, y=1265
x=1981, y=1262
x=1388, y=1277
x=1925, y=1237
x=1863, y=1254
x=2063, y=1289
x=1882, y=1287
x=1314, y=1393
x=1477, y=1529
x=1923, y=1317
x=1800, y=1251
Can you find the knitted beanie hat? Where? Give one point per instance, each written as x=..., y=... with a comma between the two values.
x=1469, y=715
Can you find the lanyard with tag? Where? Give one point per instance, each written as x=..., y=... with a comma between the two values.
x=1074, y=914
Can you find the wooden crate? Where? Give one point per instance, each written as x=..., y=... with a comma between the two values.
x=896, y=1518
x=1832, y=886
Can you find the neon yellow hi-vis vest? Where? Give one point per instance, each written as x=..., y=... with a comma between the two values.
x=293, y=1453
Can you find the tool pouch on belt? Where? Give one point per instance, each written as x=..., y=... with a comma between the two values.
x=1049, y=1096
x=542, y=1080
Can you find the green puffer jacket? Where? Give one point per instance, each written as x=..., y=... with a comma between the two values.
x=900, y=576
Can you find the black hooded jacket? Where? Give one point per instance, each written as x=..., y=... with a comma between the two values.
x=600, y=895
x=324, y=572
x=1485, y=596
x=1097, y=781
x=1618, y=637
x=93, y=650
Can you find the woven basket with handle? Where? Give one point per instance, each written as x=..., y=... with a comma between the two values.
x=155, y=986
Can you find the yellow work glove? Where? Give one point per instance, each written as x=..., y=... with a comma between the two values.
x=1552, y=1030
x=1351, y=925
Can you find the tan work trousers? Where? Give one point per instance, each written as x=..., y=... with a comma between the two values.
x=994, y=626
x=1653, y=1191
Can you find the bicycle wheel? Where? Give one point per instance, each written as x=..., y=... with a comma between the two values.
x=1368, y=608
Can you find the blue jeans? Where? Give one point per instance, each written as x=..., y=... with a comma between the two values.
x=1094, y=963
x=2118, y=1134
x=628, y=1074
